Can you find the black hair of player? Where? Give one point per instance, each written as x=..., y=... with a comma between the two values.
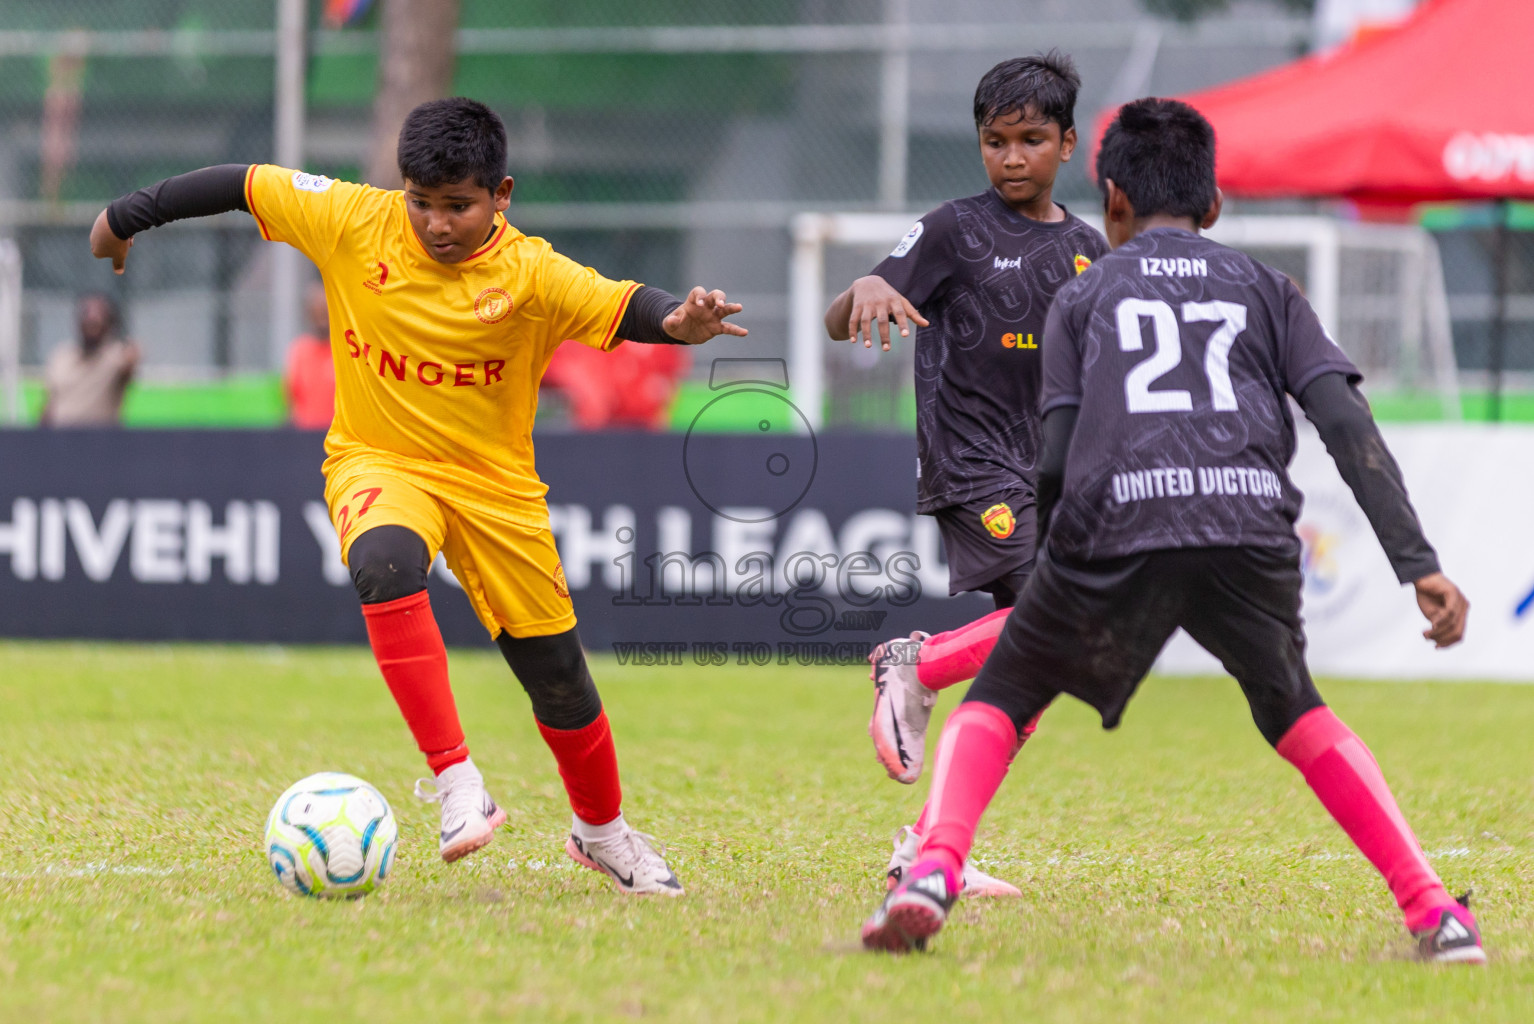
x=1160, y=153
x=443, y=142
x=1043, y=86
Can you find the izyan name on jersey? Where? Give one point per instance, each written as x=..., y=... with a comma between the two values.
x=1181, y=266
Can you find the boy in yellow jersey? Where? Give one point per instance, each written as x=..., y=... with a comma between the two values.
x=442, y=319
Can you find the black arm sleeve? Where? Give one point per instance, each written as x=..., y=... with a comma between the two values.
x=1059, y=427
x=1342, y=417
x=647, y=309
x=194, y=194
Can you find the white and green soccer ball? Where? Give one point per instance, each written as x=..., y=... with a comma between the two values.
x=331, y=835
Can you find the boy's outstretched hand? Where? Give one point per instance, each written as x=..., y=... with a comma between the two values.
x=875, y=305
x=1445, y=608
x=701, y=316
x=107, y=246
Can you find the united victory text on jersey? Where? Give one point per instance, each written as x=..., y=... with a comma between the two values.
x=437, y=364
x=1179, y=352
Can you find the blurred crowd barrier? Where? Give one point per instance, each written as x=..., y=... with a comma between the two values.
x=671, y=141
x=694, y=549
x=1470, y=486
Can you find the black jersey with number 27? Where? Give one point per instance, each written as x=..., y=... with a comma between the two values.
x=1179, y=352
x=983, y=276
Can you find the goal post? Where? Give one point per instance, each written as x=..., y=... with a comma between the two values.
x=1377, y=288
x=10, y=333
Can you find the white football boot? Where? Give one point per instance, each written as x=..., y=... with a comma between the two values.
x=975, y=882
x=469, y=816
x=902, y=708
x=625, y=855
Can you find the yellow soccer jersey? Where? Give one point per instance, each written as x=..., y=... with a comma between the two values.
x=437, y=364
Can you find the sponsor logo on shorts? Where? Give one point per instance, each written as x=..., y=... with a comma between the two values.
x=999, y=521
x=1082, y=263
x=493, y=305
x=561, y=587
x=376, y=277
x=305, y=182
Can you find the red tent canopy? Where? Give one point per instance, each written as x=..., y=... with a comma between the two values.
x=1440, y=107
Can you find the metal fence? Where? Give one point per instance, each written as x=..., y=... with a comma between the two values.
x=670, y=141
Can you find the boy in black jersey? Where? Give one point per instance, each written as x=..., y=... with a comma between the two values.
x=977, y=275
x=1165, y=502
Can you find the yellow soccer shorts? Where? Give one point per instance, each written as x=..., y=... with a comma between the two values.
x=508, y=566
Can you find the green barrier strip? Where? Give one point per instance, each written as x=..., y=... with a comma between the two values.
x=255, y=400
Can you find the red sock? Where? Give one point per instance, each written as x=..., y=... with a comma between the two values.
x=957, y=655
x=920, y=828
x=972, y=758
x=1343, y=773
x=588, y=764
x=410, y=654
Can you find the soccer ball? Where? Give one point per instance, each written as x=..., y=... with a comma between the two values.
x=331, y=835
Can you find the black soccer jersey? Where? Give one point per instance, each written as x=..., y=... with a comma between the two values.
x=983, y=275
x=1179, y=352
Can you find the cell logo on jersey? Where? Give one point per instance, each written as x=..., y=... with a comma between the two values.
x=493, y=305
x=910, y=239
x=306, y=182
x=1082, y=263
x=1018, y=340
x=999, y=521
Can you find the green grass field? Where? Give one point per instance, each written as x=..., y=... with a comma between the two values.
x=1175, y=871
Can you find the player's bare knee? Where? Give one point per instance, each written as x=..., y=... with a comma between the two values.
x=553, y=671
x=388, y=563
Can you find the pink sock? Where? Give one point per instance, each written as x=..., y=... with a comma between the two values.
x=957, y=655
x=920, y=828
x=976, y=747
x=1339, y=768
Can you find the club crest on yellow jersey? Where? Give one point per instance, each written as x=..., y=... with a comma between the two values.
x=561, y=586
x=493, y=305
x=378, y=273
x=999, y=521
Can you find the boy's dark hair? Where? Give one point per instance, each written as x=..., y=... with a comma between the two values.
x=1044, y=86
x=452, y=140
x=1161, y=153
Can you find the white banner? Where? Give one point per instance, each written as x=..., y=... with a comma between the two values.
x=1473, y=486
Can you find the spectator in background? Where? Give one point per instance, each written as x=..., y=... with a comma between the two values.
x=86, y=381
x=631, y=386
x=310, y=383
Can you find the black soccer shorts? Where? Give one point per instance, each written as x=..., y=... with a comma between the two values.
x=989, y=544
x=1094, y=629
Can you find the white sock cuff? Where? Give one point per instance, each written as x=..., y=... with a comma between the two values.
x=597, y=833
x=464, y=768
